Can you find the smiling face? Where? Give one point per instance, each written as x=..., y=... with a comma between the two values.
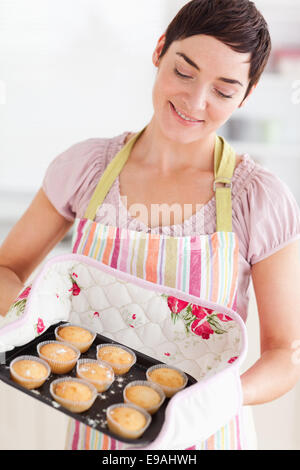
x=204, y=80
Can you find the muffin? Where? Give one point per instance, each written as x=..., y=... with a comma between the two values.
x=127, y=420
x=146, y=395
x=119, y=357
x=74, y=394
x=100, y=374
x=80, y=337
x=29, y=371
x=170, y=379
x=60, y=356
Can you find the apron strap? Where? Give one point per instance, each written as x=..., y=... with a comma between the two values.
x=108, y=177
x=224, y=164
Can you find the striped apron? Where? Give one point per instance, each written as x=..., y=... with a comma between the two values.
x=205, y=266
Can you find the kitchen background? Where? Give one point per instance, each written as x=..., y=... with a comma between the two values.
x=74, y=70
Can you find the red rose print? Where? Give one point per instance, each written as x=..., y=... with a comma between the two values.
x=199, y=312
x=24, y=294
x=204, y=329
x=40, y=326
x=176, y=305
x=75, y=289
x=223, y=317
x=134, y=316
x=167, y=354
x=96, y=314
x=196, y=308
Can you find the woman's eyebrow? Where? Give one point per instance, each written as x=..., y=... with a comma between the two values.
x=192, y=63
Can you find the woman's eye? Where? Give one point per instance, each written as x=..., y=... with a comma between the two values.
x=181, y=74
x=222, y=94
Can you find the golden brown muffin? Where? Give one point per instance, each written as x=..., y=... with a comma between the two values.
x=73, y=391
x=29, y=369
x=30, y=372
x=120, y=359
x=61, y=357
x=100, y=375
x=128, y=418
x=74, y=394
x=169, y=379
x=80, y=337
x=126, y=421
x=143, y=396
x=58, y=352
x=115, y=355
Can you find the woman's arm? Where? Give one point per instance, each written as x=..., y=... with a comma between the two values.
x=30, y=240
x=276, y=282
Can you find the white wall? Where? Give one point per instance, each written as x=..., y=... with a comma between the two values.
x=72, y=70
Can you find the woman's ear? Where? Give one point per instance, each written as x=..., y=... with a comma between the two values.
x=158, y=49
x=247, y=97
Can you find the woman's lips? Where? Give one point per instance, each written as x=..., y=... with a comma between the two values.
x=181, y=120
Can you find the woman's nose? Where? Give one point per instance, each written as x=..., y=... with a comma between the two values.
x=199, y=98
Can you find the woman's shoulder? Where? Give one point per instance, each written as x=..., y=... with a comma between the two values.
x=92, y=153
x=256, y=179
x=72, y=174
x=93, y=147
x=265, y=209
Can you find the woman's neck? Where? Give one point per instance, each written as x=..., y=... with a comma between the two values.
x=154, y=149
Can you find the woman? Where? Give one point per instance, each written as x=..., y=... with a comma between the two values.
x=208, y=63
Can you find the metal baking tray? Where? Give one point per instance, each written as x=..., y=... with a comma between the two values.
x=95, y=417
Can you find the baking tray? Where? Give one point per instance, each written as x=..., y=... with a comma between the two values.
x=95, y=417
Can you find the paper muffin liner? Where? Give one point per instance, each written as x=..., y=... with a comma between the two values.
x=169, y=391
x=116, y=428
x=29, y=383
x=101, y=385
x=74, y=406
x=83, y=347
x=59, y=367
x=119, y=369
x=146, y=383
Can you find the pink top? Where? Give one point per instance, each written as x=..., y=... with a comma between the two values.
x=266, y=216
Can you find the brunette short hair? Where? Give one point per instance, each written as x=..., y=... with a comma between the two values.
x=237, y=23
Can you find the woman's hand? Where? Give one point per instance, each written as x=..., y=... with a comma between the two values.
x=276, y=282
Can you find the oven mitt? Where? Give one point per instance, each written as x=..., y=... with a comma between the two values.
x=192, y=415
x=14, y=313
x=197, y=412
x=38, y=306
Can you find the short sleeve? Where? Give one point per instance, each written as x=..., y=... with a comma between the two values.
x=73, y=174
x=271, y=215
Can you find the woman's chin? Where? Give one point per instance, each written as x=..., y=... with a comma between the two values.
x=183, y=136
